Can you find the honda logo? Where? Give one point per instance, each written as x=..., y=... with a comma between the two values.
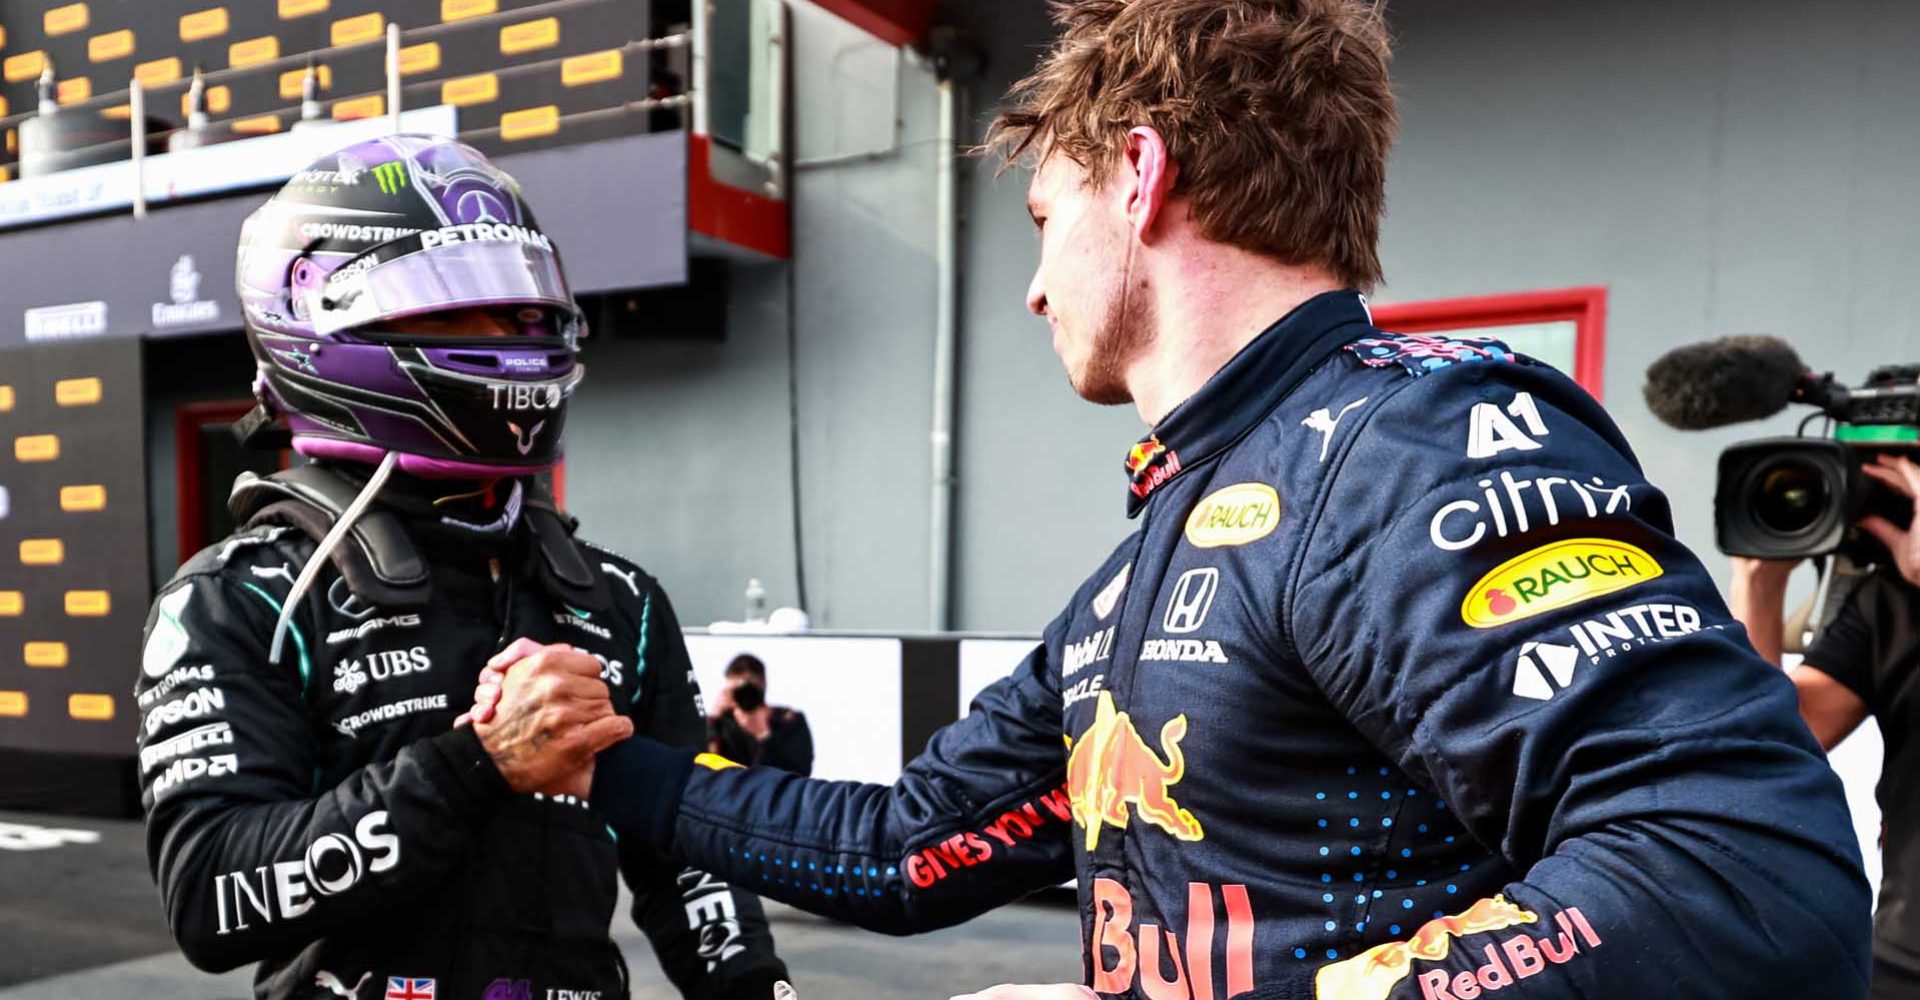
x=1192, y=599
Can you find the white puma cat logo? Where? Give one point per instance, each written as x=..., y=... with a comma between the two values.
x=630, y=577
x=332, y=983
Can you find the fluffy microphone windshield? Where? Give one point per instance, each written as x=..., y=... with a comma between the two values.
x=1720, y=382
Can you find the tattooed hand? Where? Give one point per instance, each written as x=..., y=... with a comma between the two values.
x=553, y=715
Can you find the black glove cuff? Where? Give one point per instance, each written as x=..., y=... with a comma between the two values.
x=637, y=785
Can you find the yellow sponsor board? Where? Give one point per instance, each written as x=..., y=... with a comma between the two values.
x=290, y=9
x=83, y=499
x=110, y=46
x=24, y=66
x=1555, y=576
x=12, y=603
x=530, y=123
x=529, y=35
x=36, y=448
x=42, y=552
x=293, y=82
x=158, y=73
x=45, y=655
x=253, y=51
x=13, y=704
x=467, y=90
x=73, y=90
x=77, y=391
x=421, y=58
x=593, y=67
x=219, y=100
x=1241, y=513
x=203, y=24
x=354, y=30
x=257, y=125
x=6, y=398
x=460, y=10
x=88, y=603
x=370, y=106
x=90, y=707
x=65, y=20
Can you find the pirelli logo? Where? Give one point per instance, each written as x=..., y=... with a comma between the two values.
x=89, y=604
x=83, y=499
x=13, y=704
x=158, y=72
x=202, y=24
x=354, y=30
x=25, y=66
x=460, y=10
x=73, y=90
x=253, y=51
x=370, y=106
x=290, y=9
x=77, y=391
x=110, y=46
x=45, y=655
x=12, y=603
x=529, y=36
x=530, y=123
x=90, y=707
x=66, y=20
x=42, y=552
x=422, y=58
x=469, y=90
x=36, y=448
x=594, y=67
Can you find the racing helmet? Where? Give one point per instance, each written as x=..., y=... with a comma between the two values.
x=417, y=229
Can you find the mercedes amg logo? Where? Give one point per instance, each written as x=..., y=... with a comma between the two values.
x=480, y=206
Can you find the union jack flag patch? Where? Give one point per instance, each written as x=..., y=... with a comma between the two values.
x=401, y=988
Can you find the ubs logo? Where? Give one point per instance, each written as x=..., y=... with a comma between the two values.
x=1192, y=600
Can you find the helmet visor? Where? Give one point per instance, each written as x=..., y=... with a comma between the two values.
x=513, y=266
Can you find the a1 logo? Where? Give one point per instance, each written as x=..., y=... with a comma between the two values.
x=1491, y=429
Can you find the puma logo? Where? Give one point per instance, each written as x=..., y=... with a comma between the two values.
x=524, y=439
x=332, y=983
x=1324, y=421
x=283, y=571
x=630, y=577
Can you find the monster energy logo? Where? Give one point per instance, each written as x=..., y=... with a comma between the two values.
x=392, y=177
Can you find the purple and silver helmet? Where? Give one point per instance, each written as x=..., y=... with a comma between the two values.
x=400, y=297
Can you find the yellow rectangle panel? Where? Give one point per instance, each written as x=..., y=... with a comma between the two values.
x=6, y=398
x=593, y=67
x=45, y=655
x=13, y=704
x=81, y=499
x=66, y=20
x=219, y=99
x=210, y=23
x=353, y=30
x=12, y=602
x=370, y=106
x=421, y=58
x=290, y=9
x=90, y=707
x=253, y=51
x=74, y=89
x=77, y=391
x=24, y=66
x=36, y=447
x=529, y=35
x=460, y=10
x=110, y=46
x=467, y=90
x=292, y=80
x=6, y=174
x=257, y=125
x=119, y=112
x=42, y=552
x=89, y=603
x=158, y=73
x=530, y=123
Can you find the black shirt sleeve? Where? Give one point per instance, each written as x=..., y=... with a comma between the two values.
x=1848, y=647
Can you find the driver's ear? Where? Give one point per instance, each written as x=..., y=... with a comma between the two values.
x=1153, y=174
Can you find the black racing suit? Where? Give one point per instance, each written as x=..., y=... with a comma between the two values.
x=320, y=815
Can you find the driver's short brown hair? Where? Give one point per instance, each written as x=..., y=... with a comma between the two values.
x=1278, y=115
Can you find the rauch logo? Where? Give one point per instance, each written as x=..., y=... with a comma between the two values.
x=1556, y=576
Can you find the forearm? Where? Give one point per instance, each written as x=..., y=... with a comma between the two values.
x=1761, y=607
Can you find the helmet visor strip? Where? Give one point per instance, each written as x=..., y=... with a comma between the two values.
x=427, y=272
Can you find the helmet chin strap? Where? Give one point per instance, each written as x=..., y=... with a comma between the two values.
x=325, y=548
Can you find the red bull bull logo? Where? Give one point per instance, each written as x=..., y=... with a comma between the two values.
x=1150, y=465
x=1111, y=768
x=1136, y=962
x=1373, y=974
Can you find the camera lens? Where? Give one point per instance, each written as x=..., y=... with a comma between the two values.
x=1791, y=497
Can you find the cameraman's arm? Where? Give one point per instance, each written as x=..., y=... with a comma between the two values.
x=1758, y=599
x=1837, y=678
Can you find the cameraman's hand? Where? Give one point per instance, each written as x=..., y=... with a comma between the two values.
x=1763, y=576
x=1899, y=474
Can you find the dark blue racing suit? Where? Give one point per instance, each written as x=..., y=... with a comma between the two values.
x=1402, y=689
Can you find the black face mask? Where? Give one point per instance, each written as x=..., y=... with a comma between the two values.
x=749, y=696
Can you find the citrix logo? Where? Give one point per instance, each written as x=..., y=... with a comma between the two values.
x=283, y=890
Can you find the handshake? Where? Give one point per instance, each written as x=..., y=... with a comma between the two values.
x=544, y=713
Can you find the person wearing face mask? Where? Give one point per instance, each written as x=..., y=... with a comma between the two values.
x=744, y=728
x=311, y=804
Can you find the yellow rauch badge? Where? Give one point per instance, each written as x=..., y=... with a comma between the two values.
x=1555, y=576
x=1241, y=513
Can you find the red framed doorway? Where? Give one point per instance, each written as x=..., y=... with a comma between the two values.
x=1585, y=309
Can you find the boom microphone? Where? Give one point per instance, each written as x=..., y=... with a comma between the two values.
x=1729, y=381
